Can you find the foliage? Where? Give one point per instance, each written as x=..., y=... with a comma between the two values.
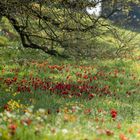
x=56, y=26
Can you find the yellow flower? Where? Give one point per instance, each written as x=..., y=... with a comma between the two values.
x=68, y=117
x=15, y=104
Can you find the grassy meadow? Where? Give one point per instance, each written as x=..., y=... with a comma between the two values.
x=46, y=98
x=57, y=99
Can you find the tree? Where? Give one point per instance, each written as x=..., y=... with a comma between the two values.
x=52, y=24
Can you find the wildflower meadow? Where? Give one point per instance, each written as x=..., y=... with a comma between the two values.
x=69, y=70
x=66, y=101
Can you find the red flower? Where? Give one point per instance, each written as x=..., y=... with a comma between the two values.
x=109, y=132
x=119, y=126
x=95, y=78
x=113, y=113
x=26, y=121
x=78, y=94
x=87, y=111
x=15, y=79
x=85, y=76
x=6, y=107
x=90, y=96
x=123, y=137
x=65, y=92
x=12, y=128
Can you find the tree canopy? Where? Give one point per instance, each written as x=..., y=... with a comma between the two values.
x=51, y=24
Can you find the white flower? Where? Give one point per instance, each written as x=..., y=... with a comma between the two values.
x=41, y=110
x=64, y=131
x=8, y=114
x=27, y=114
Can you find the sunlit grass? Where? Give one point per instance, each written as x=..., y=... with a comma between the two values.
x=71, y=117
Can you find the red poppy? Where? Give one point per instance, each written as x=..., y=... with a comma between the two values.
x=123, y=137
x=109, y=132
x=87, y=111
x=85, y=76
x=6, y=107
x=65, y=92
x=113, y=113
x=90, y=96
x=12, y=128
x=95, y=78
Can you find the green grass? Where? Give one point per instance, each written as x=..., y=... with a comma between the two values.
x=39, y=114
x=65, y=117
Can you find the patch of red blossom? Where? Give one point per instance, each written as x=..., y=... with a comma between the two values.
x=6, y=107
x=95, y=78
x=90, y=96
x=26, y=121
x=85, y=76
x=87, y=111
x=119, y=126
x=123, y=137
x=113, y=113
x=109, y=132
x=12, y=128
x=65, y=92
